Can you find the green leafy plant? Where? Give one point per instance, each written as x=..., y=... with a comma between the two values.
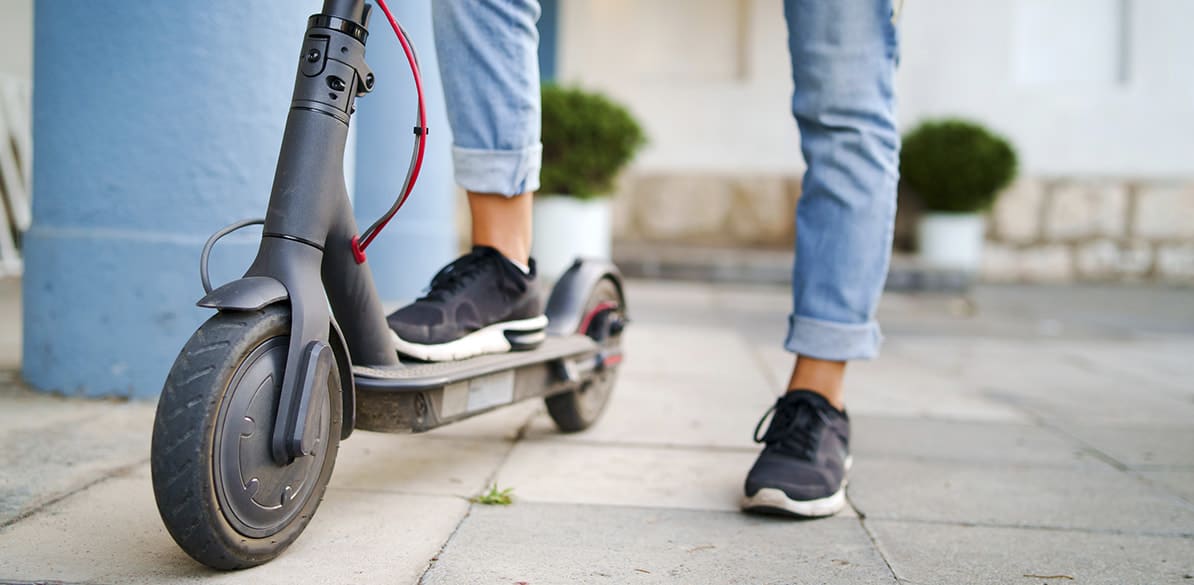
x=587, y=139
x=955, y=165
x=494, y=497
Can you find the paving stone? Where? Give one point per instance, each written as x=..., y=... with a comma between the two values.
x=1145, y=366
x=1092, y=405
x=895, y=387
x=1180, y=482
x=674, y=410
x=941, y=554
x=555, y=471
x=689, y=349
x=1089, y=497
x=963, y=441
x=111, y=533
x=553, y=543
x=47, y=461
x=1137, y=446
x=26, y=411
x=415, y=464
x=660, y=302
x=1033, y=376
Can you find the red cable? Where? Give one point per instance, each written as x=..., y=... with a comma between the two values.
x=358, y=246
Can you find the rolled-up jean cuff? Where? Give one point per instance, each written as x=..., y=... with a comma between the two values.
x=827, y=340
x=505, y=172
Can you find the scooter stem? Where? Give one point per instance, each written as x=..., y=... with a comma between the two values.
x=353, y=10
x=305, y=242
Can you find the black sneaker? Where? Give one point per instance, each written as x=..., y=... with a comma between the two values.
x=480, y=303
x=802, y=470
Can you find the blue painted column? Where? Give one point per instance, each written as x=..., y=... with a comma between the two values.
x=549, y=39
x=155, y=123
x=422, y=238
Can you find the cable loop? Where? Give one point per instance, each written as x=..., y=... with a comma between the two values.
x=211, y=242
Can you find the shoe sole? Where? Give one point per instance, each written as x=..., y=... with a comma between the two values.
x=518, y=335
x=774, y=501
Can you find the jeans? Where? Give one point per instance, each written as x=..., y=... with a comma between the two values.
x=844, y=54
x=489, y=60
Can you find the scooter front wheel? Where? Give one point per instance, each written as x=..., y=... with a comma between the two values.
x=219, y=492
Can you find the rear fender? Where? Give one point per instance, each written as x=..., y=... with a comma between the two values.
x=566, y=305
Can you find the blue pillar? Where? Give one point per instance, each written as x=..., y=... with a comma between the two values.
x=422, y=238
x=155, y=123
x=549, y=39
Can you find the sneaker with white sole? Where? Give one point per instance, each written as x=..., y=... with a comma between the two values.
x=802, y=469
x=481, y=303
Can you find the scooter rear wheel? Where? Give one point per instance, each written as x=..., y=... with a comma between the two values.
x=220, y=494
x=578, y=409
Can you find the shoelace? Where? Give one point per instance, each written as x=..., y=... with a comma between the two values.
x=795, y=428
x=455, y=276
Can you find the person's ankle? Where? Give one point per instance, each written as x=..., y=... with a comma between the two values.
x=825, y=377
x=835, y=401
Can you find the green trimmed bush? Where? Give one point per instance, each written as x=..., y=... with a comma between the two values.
x=955, y=165
x=587, y=139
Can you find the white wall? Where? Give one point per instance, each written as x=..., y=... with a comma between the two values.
x=709, y=79
x=16, y=38
x=1079, y=89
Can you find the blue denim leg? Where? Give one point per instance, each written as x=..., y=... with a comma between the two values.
x=844, y=54
x=489, y=62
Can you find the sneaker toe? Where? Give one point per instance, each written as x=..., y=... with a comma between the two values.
x=799, y=480
x=416, y=323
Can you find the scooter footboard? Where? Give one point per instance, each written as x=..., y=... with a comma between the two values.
x=420, y=397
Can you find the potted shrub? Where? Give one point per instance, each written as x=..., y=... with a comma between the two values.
x=956, y=168
x=587, y=140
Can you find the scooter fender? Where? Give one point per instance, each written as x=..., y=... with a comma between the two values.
x=566, y=305
x=253, y=293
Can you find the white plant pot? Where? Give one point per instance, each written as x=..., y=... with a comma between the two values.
x=951, y=240
x=567, y=228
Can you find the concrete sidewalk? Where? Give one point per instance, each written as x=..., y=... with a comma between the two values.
x=1027, y=435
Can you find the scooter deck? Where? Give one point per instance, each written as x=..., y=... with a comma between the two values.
x=421, y=396
x=413, y=377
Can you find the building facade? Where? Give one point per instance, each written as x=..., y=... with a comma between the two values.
x=1097, y=96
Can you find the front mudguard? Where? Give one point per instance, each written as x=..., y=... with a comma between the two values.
x=253, y=293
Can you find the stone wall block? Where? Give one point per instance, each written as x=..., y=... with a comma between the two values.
x=683, y=208
x=1079, y=209
x=1164, y=212
x=762, y=212
x=1053, y=263
x=622, y=209
x=1106, y=259
x=1175, y=262
x=1001, y=263
x=1016, y=216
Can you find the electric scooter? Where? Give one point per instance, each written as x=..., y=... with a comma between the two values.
x=299, y=354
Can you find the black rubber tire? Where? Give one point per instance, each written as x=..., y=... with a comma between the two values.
x=577, y=410
x=181, y=457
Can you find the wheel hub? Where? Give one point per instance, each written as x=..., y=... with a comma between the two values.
x=259, y=497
